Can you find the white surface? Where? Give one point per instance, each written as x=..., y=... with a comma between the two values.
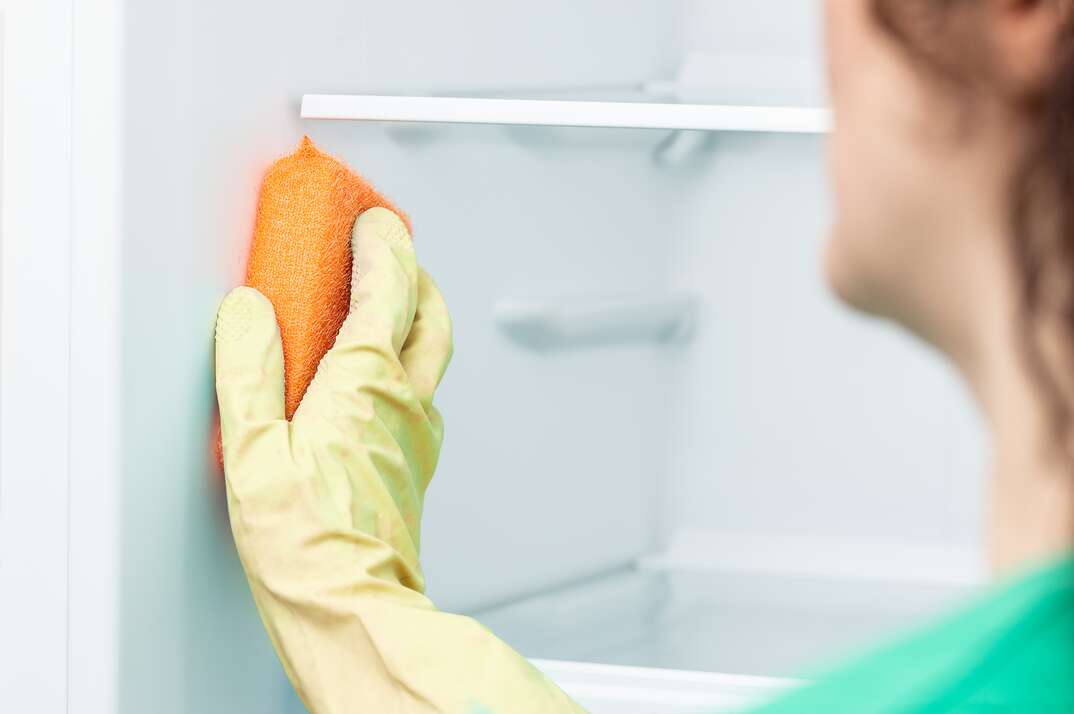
x=789, y=415
x=783, y=626
x=35, y=294
x=190, y=639
x=788, y=29
x=897, y=561
x=97, y=365
x=768, y=80
x=529, y=112
x=605, y=689
x=97, y=362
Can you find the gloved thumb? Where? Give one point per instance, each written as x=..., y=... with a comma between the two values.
x=384, y=296
x=249, y=365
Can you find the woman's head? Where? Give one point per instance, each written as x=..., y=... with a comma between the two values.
x=953, y=165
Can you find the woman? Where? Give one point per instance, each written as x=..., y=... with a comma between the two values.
x=953, y=168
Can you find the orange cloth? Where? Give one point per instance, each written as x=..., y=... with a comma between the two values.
x=301, y=254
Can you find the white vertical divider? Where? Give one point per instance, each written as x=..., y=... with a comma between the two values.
x=96, y=314
x=34, y=354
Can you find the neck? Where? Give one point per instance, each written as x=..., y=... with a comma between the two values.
x=1032, y=504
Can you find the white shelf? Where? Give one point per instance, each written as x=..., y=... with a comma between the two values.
x=770, y=626
x=532, y=112
x=605, y=689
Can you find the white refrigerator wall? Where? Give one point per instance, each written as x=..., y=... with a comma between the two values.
x=546, y=473
x=785, y=415
x=791, y=418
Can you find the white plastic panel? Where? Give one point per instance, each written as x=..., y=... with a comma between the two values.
x=34, y=357
x=96, y=366
x=790, y=415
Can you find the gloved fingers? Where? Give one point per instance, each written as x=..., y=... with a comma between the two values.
x=384, y=297
x=428, y=347
x=249, y=365
x=384, y=280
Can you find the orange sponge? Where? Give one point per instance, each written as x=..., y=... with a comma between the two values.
x=301, y=254
x=301, y=258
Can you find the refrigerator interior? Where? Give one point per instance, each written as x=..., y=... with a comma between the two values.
x=693, y=514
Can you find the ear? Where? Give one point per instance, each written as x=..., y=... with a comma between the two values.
x=1026, y=39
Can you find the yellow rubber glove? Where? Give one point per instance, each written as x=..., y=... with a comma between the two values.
x=326, y=509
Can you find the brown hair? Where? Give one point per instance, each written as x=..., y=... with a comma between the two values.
x=1041, y=210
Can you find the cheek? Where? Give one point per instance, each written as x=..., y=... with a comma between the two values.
x=857, y=165
x=878, y=232
x=904, y=179
x=856, y=243
x=847, y=274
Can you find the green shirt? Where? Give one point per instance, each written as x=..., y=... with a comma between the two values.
x=1012, y=650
